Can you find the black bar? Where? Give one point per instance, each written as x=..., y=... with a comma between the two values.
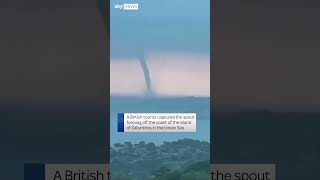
x=104, y=8
x=212, y=75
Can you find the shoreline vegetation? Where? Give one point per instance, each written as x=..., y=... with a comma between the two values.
x=181, y=159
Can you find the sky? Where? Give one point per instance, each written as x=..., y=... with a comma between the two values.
x=171, y=75
x=160, y=25
x=174, y=36
x=267, y=53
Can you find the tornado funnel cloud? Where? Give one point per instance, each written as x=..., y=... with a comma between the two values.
x=146, y=73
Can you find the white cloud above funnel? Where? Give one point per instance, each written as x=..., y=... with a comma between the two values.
x=171, y=74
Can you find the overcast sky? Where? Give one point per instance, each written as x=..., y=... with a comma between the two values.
x=174, y=36
x=164, y=25
x=267, y=53
x=171, y=75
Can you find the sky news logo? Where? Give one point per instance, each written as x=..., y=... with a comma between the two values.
x=127, y=7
